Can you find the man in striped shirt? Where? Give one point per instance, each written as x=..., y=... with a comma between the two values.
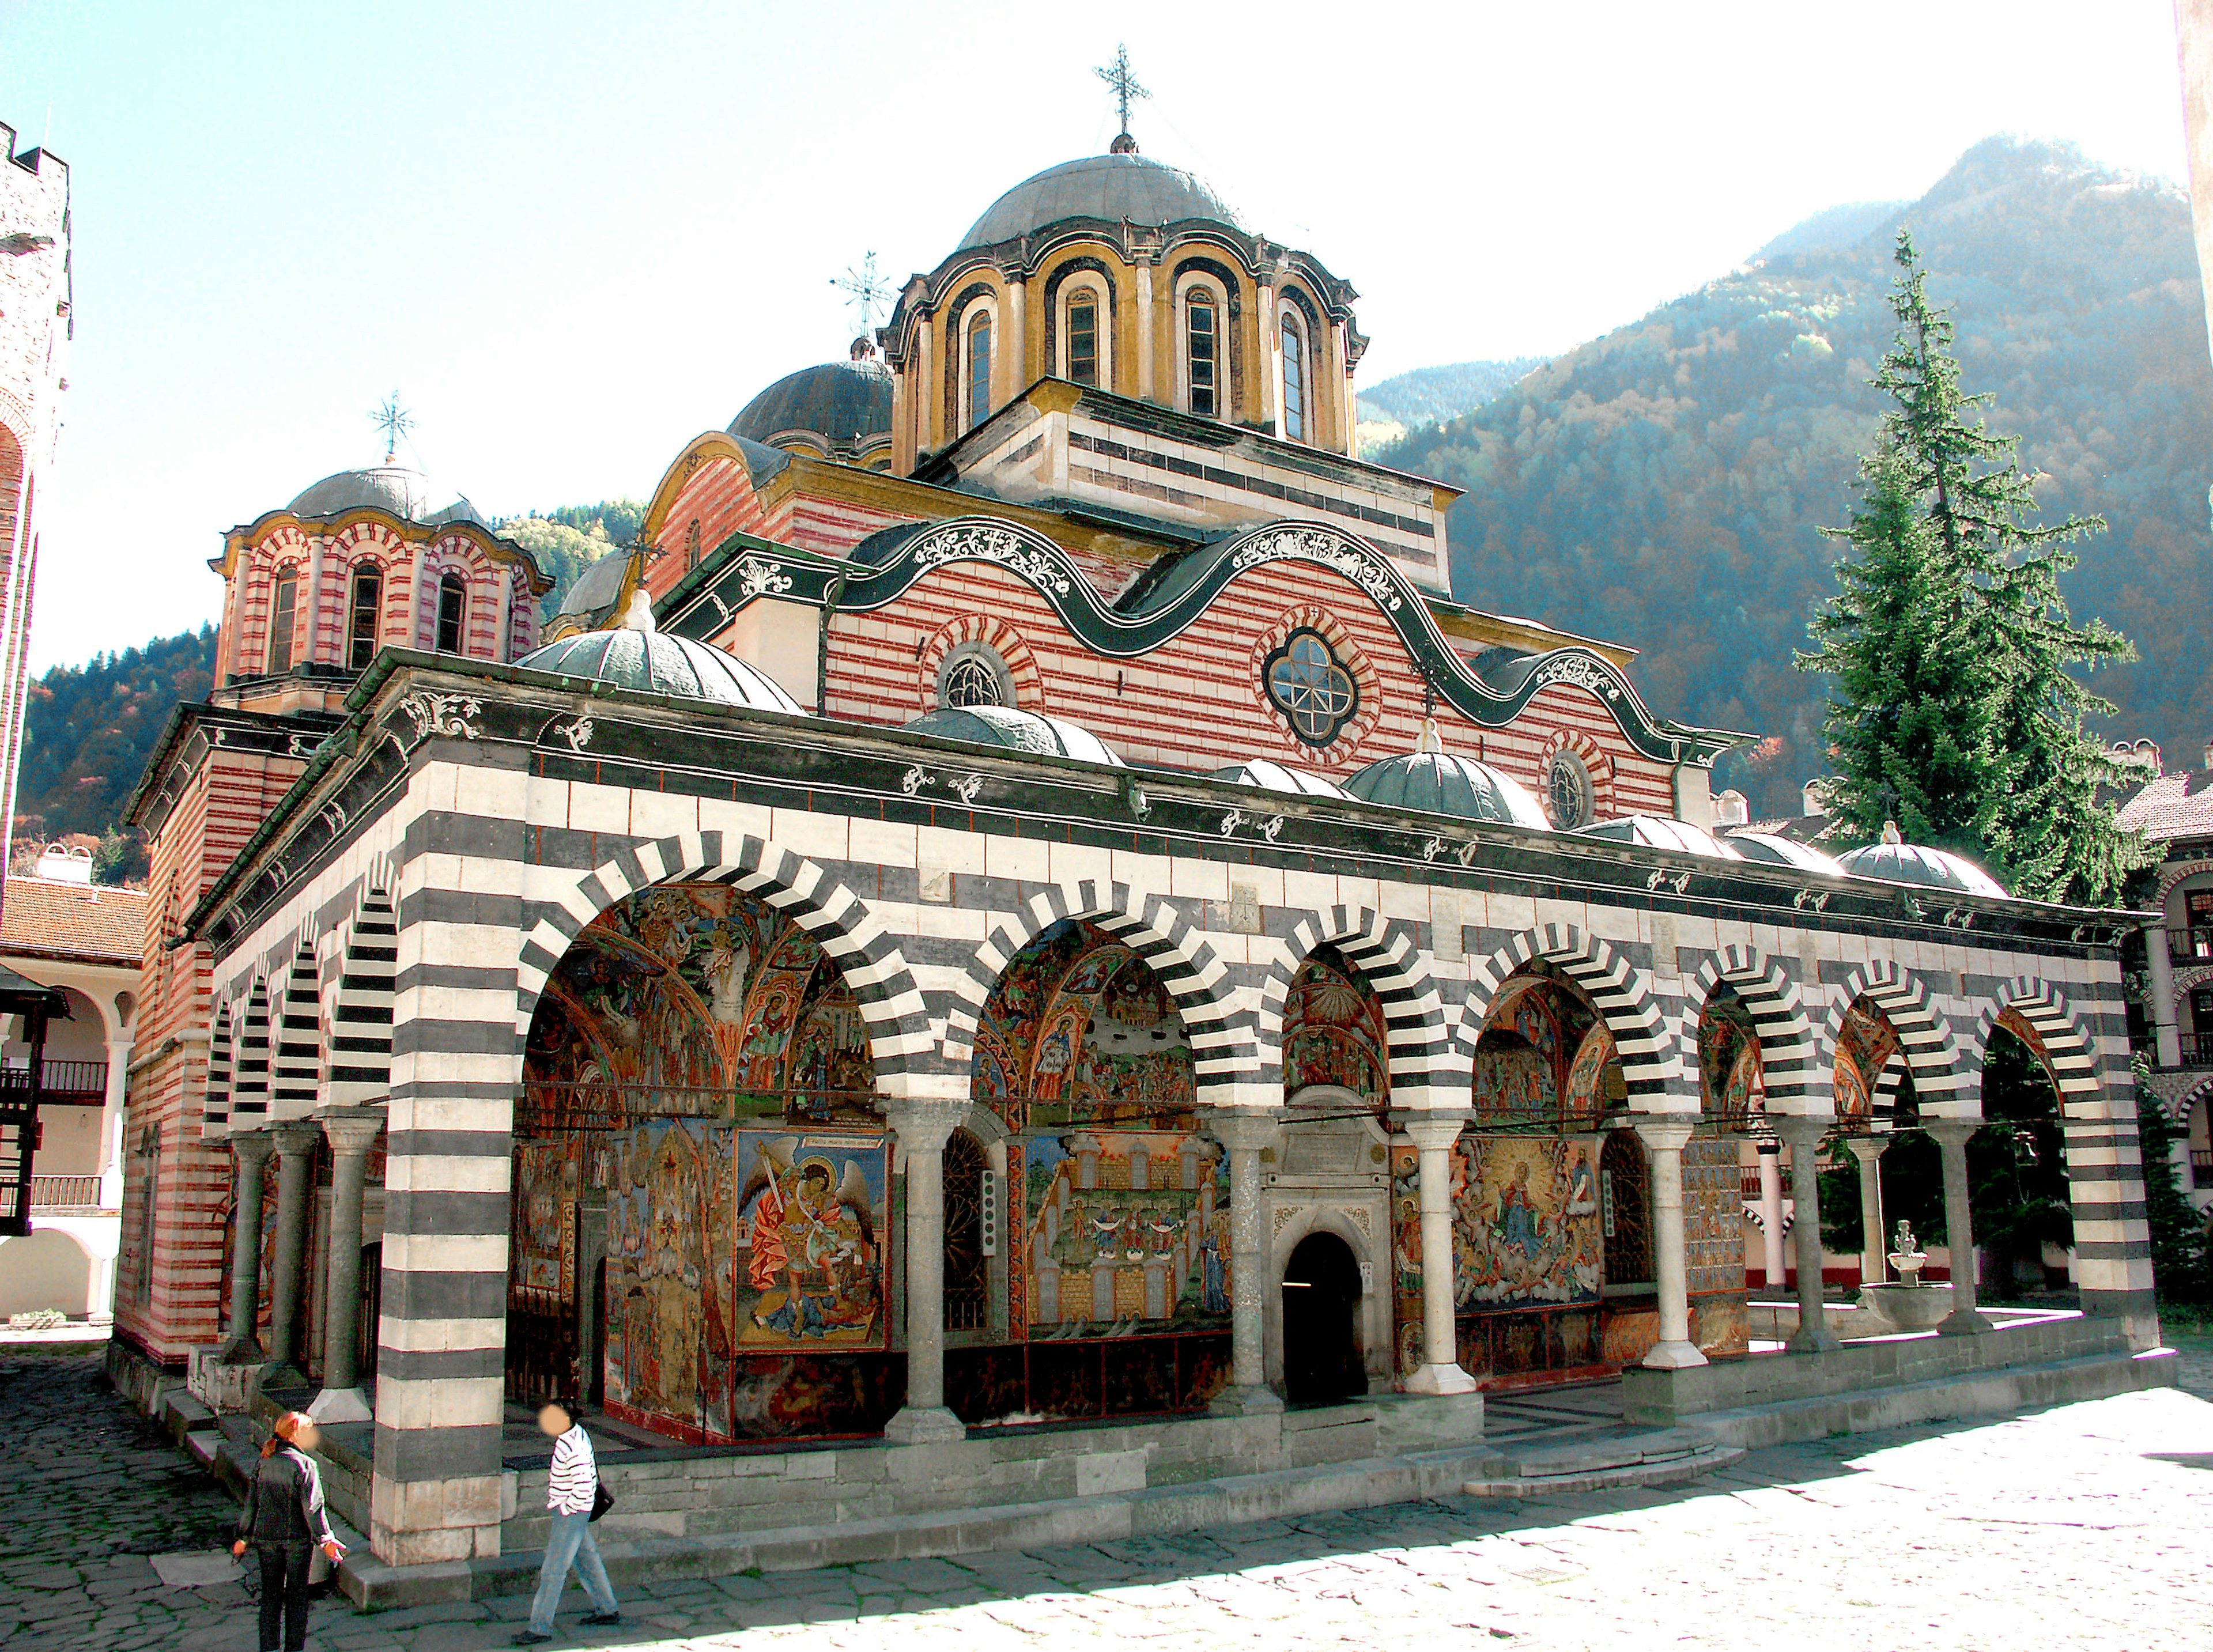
x=569, y=1491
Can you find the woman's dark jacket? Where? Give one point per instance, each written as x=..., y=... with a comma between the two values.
x=285, y=1501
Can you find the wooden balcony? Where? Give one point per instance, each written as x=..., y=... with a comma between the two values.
x=77, y=1082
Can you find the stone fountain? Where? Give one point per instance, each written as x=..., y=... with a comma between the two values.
x=1909, y=1305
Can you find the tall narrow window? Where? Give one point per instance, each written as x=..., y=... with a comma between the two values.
x=284, y=610
x=1294, y=383
x=361, y=614
x=1201, y=341
x=979, y=371
x=1083, y=339
x=453, y=609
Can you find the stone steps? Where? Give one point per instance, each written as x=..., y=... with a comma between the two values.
x=1643, y=1457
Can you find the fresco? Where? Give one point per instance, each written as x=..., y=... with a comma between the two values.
x=1334, y=1032
x=695, y=1000
x=1713, y=1215
x=1731, y=1080
x=727, y=1243
x=1865, y=1043
x=542, y=1249
x=1127, y=1231
x=1524, y=1226
x=1513, y=1081
x=1595, y=1081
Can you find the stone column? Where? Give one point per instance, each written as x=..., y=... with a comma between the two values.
x=1242, y=1135
x=1007, y=373
x=110, y=1122
x=1440, y=1373
x=352, y=1132
x=923, y=1130
x=296, y=1144
x=2166, y=1034
x=1770, y=1214
x=1143, y=389
x=1952, y=1136
x=1804, y=1136
x=1873, y=1242
x=249, y=1152
x=1663, y=1141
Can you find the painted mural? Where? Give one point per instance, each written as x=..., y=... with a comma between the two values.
x=1525, y=1225
x=726, y=1244
x=1334, y=1032
x=1595, y=1081
x=1865, y=1045
x=542, y=1245
x=695, y=1000
x=1733, y=1084
x=1713, y=1215
x=1128, y=1232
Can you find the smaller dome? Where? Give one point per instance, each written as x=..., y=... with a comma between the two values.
x=1654, y=832
x=404, y=491
x=1772, y=850
x=1278, y=777
x=1931, y=868
x=653, y=662
x=1020, y=731
x=843, y=402
x=1443, y=783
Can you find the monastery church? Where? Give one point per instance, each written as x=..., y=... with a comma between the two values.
x=1018, y=947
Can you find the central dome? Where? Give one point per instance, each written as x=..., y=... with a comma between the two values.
x=408, y=493
x=1111, y=187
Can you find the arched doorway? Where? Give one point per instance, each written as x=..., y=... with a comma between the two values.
x=1624, y=1184
x=1322, y=1363
x=2022, y=1201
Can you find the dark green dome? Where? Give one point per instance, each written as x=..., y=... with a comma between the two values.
x=1020, y=731
x=1932, y=869
x=842, y=402
x=654, y=662
x=408, y=493
x=1443, y=782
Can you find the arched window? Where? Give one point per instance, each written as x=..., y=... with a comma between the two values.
x=1202, y=356
x=979, y=370
x=1084, y=338
x=691, y=544
x=283, y=611
x=363, y=610
x=1310, y=686
x=1294, y=383
x=974, y=674
x=453, y=609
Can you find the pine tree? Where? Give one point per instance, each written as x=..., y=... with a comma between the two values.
x=1952, y=709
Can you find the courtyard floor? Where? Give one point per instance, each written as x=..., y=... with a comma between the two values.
x=2086, y=1526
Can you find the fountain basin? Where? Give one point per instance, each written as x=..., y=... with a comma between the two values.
x=1907, y=1308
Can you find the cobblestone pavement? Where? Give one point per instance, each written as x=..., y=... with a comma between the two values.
x=2081, y=1526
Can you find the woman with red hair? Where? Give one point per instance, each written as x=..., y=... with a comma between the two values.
x=284, y=1520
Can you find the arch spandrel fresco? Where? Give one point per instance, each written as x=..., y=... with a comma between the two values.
x=1334, y=1032
x=1732, y=1079
x=1865, y=1044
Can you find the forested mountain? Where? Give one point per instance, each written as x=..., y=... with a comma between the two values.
x=88, y=729
x=571, y=539
x=1429, y=395
x=1665, y=485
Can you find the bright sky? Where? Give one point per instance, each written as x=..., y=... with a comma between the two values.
x=573, y=236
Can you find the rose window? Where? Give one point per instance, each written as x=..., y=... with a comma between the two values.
x=1307, y=684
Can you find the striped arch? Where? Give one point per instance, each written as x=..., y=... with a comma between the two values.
x=2060, y=1042
x=1924, y=1035
x=870, y=959
x=297, y=1061
x=357, y=1059
x=222, y=1059
x=1621, y=993
x=1222, y=1045
x=1423, y=1048
x=1789, y=1059
x=249, y=1084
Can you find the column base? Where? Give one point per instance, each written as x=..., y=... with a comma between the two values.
x=280, y=1374
x=1673, y=1356
x=1255, y=1400
x=241, y=1350
x=1963, y=1322
x=923, y=1425
x=1446, y=1379
x=341, y=1405
x=1810, y=1338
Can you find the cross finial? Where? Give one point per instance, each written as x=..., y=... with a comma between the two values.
x=395, y=422
x=1126, y=90
x=866, y=292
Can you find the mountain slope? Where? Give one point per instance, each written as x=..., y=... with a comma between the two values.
x=1665, y=485
x=1429, y=395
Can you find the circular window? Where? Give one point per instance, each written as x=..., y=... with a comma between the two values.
x=1306, y=683
x=1568, y=791
x=974, y=674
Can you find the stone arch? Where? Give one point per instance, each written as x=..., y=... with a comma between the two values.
x=1223, y=1046
x=2064, y=1049
x=2175, y=874
x=1924, y=1036
x=1788, y=1058
x=1422, y=1045
x=296, y=1064
x=249, y=1091
x=899, y=1034
x=1296, y=1223
x=223, y=1056
x=1620, y=991
x=357, y=1061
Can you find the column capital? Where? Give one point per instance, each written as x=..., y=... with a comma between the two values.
x=1868, y=1148
x=1768, y=1147
x=297, y=1138
x=351, y=1132
x=1665, y=1135
x=1438, y=1128
x=924, y=1126
x=1947, y=1131
x=1801, y=1127
x=1241, y=1131
x=253, y=1147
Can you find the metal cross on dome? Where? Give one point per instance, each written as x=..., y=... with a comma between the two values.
x=395, y=422
x=1126, y=90
x=866, y=292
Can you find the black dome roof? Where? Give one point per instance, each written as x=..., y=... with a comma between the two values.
x=1106, y=187
x=402, y=490
x=839, y=401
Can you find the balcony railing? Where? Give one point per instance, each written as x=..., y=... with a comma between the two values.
x=2190, y=946
x=60, y=1078
x=2197, y=1049
x=52, y=1194
x=2201, y=1166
